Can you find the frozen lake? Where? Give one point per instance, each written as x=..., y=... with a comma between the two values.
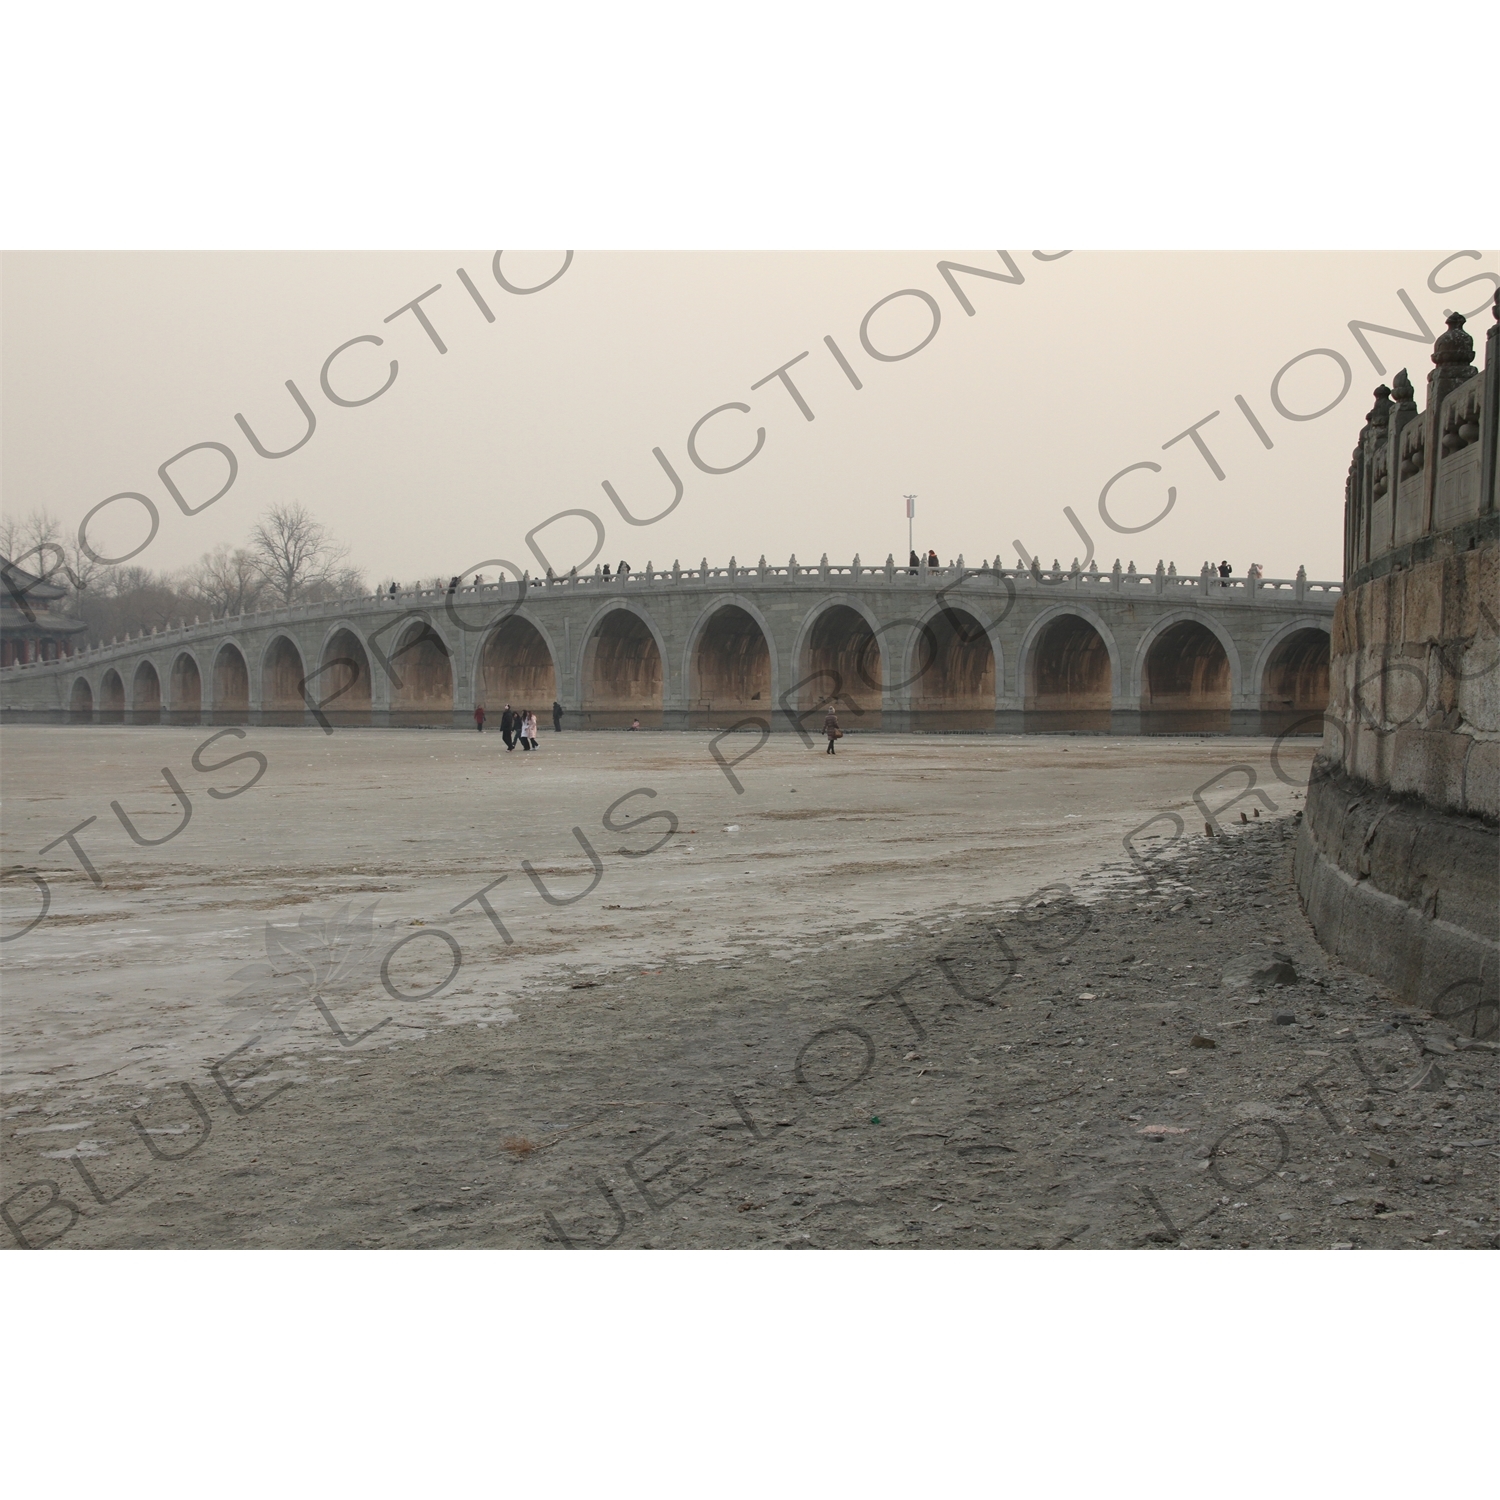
x=282, y=906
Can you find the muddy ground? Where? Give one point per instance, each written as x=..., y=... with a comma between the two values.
x=1044, y=1073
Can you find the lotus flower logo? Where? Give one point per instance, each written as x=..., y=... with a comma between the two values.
x=313, y=963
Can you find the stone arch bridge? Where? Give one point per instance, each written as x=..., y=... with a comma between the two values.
x=978, y=649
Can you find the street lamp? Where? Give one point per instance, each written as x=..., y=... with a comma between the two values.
x=911, y=511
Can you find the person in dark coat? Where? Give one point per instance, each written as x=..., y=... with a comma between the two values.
x=915, y=563
x=479, y=717
x=508, y=727
x=557, y=713
x=831, y=729
x=932, y=561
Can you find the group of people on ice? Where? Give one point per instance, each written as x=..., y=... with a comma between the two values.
x=518, y=725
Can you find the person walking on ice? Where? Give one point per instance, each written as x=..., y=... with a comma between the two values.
x=832, y=730
x=479, y=717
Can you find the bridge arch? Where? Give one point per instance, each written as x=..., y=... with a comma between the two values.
x=229, y=685
x=1291, y=669
x=517, y=664
x=423, y=664
x=729, y=664
x=839, y=653
x=145, y=693
x=955, y=665
x=343, y=693
x=623, y=667
x=186, y=695
x=81, y=702
x=1176, y=667
x=111, y=698
x=281, y=675
x=1068, y=668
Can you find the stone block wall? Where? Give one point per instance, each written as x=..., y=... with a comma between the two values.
x=1398, y=858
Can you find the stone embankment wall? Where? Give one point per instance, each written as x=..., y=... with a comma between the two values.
x=1398, y=858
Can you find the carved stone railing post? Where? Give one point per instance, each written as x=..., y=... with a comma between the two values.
x=1490, y=422
x=1453, y=364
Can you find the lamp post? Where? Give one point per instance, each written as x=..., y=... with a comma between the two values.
x=911, y=511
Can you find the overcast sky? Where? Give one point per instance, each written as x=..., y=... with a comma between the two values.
x=115, y=362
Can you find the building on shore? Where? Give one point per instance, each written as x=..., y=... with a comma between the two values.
x=33, y=625
x=1398, y=856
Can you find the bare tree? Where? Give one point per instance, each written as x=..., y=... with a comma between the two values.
x=337, y=583
x=227, y=581
x=34, y=543
x=293, y=552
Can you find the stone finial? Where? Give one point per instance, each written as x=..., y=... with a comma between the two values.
x=1380, y=414
x=890, y=559
x=762, y=563
x=1171, y=570
x=1056, y=566
x=791, y=566
x=703, y=568
x=1456, y=347
x=1401, y=389
x=1453, y=360
x=1161, y=568
x=1301, y=573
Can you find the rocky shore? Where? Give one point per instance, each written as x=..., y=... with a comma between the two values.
x=1163, y=1059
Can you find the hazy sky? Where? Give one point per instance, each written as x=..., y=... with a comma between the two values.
x=114, y=362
